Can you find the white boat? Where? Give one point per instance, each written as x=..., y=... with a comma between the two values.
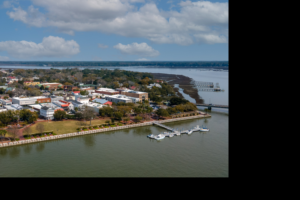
x=171, y=134
x=204, y=129
x=151, y=136
x=189, y=132
x=159, y=137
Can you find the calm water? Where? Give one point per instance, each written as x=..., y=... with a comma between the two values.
x=129, y=153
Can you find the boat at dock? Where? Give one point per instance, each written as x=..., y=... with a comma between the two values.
x=151, y=136
x=159, y=137
x=204, y=129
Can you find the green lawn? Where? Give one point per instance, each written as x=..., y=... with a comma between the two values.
x=64, y=126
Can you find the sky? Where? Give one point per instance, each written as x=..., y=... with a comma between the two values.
x=113, y=30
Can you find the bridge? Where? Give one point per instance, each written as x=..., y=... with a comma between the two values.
x=213, y=106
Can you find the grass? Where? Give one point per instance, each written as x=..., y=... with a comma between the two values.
x=64, y=126
x=112, y=125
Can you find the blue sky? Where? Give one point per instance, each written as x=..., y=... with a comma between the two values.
x=113, y=30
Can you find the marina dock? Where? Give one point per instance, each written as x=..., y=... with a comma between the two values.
x=174, y=131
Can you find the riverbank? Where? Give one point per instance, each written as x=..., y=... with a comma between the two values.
x=202, y=115
x=183, y=82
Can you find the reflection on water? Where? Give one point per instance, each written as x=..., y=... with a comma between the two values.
x=27, y=148
x=3, y=151
x=14, y=152
x=89, y=140
x=40, y=147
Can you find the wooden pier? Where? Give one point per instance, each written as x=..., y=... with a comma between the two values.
x=203, y=84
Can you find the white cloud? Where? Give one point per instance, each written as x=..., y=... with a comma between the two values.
x=142, y=59
x=196, y=22
x=4, y=58
x=141, y=49
x=50, y=47
x=102, y=46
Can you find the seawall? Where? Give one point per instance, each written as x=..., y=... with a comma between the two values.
x=96, y=131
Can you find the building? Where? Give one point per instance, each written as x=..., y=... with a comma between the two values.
x=58, y=92
x=13, y=107
x=121, y=89
x=30, y=100
x=27, y=83
x=103, y=101
x=76, y=93
x=47, y=112
x=66, y=106
x=137, y=94
x=76, y=104
x=69, y=87
x=3, y=109
x=51, y=86
x=95, y=106
x=82, y=99
x=56, y=98
x=5, y=102
x=84, y=86
x=69, y=97
x=122, y=98
x=154, y=85
x=10, y=89
x=106, y=92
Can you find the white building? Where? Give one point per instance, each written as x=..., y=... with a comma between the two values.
x=82, y=99
x=154, y=84
x=47, y=112
x=13, y=107
x=122, y=98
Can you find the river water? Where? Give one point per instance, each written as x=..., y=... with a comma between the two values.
x=129, y=153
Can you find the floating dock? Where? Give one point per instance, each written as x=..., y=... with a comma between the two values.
x=173, y=131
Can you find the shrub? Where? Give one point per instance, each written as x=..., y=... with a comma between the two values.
x=95, y=126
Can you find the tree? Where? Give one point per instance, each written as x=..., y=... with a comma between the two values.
x=107, y=121
x=27, y=131
x=76, y=109
x=178, y=100
x=40, y=127
x=13, y=130
x=118, y=115
x=84, y=92
x=59, y=114
x=138, y=118
x=3, y=133
x=88, y=113
x=162, y=112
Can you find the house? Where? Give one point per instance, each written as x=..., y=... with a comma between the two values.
x=103, y=101
x=95, y=106
x=76, y=93
x=133, y=87
x=10, y=89
x=64, y=105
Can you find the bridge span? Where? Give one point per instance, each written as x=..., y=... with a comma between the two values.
x=213, y=106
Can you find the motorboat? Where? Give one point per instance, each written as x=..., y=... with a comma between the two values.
x=151, y=136
x=159, y=137
x=171, y=134
x=204, y=129
x=189, y=132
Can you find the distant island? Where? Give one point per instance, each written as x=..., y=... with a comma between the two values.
x=168, y=64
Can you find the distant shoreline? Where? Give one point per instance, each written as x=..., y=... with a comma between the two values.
x=149, y=64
